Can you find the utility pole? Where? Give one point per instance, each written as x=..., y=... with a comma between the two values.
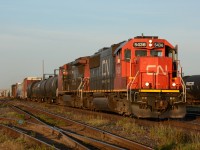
x=42, y=69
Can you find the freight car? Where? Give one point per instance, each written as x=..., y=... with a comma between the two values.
x=192, y=88
x=19, y=90
x=13, y=91
x=4, y=93
x=43, y=90
x=140, y=77
x=16, y=90
x=26, y=82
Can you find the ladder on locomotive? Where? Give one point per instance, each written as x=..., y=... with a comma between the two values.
x=81, y=86
x=129, y=85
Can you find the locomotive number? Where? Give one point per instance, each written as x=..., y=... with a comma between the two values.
x=156, y=70
x=159, y=45
x=139, y=44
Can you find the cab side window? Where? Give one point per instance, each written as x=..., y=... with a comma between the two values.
x=127, y=54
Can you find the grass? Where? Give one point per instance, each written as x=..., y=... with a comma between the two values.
x=3, y=105
x=21, y=116
x=11, y=114
x=52, y=121
x=90, y=119
x=164, y=137
x=97, y=122
x=130, y=127
x=14, y=114
x=171, y=138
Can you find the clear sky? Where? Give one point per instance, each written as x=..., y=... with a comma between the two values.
x=58, y=31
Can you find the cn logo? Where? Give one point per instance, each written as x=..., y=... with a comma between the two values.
x=105, y=67
x=153, y=69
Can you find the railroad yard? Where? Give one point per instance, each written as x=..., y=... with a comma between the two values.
x=131, y=95
x=99, y=75
x=36, y=125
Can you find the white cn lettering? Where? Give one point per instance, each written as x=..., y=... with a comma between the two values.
x=105, y=68
x=158, y=70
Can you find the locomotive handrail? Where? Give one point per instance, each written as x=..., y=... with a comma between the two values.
x=84, y=82
x=81, y=86
x=130, y=84
x=184, y=89
x=79, y=91
x=182, y=82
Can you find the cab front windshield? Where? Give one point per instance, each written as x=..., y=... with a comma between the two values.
x=156, y=53
x=153, y=53
x=140, y=53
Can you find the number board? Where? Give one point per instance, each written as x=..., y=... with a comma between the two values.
x=159, y=45
x=139, y=44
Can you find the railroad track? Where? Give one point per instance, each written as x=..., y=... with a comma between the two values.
x=16, y=133
x=4, y=101
x=44, y=134
x=41, y=131
x=95, y=138
x=186, y=125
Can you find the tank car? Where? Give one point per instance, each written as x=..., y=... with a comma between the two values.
x=192, y=88
x=30, y=94
x=140, y=77
x=43, y=90
x=26, y=82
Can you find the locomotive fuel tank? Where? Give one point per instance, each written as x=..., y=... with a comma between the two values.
x=192, y=86
x=101, y=103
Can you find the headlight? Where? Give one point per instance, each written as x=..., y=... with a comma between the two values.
x=173, y=84
x=147, y=83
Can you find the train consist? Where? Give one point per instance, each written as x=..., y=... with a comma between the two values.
x=140, y=77
x=4, y=93
x=193, y=88
x=19, y=90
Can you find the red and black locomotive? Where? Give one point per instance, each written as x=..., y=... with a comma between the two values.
x=140, y=77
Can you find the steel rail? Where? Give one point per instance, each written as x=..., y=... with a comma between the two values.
x=17, y=133
x=92, y=141
x=97, y=143
x=73, y=143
